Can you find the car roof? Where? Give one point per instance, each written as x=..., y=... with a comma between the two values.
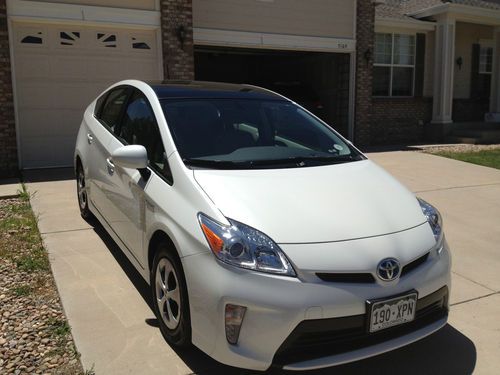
x=213, y=90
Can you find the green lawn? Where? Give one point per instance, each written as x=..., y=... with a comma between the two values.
x=488, y=158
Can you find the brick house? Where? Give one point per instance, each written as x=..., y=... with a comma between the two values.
x=436, y=67
x=368, y=67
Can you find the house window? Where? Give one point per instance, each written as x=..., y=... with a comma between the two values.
x=485, y=60
x=394, y=65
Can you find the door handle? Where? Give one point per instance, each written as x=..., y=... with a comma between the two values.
x=90, y=138
x=110, y=165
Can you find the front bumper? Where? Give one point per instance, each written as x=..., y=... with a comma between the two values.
x=278, y=306
x=320, y=343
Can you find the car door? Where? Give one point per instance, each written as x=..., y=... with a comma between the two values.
x=101, y=128
x=125, y=189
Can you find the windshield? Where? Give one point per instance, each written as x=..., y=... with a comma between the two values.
x=249, y=133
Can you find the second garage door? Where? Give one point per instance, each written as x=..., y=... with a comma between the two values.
x=59, y=69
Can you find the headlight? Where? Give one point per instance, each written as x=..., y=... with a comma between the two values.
x=245, y=247
x=433, y=218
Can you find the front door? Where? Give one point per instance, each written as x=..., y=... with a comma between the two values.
x=125, y=187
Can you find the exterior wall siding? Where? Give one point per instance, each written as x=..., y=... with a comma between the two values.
x=399, y=120
x=178, y=57
x=466, y=35
x=324, y=18
x=8, y=145
x=365, y=35
x=127, y=4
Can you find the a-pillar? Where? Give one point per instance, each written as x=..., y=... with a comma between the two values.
x=444, y=70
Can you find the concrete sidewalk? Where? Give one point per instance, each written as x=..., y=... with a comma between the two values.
x=107, y=302
x=10, y=188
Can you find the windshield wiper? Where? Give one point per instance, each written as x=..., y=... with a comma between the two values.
x=298, y=161
x=301, y=160
x=225, y=164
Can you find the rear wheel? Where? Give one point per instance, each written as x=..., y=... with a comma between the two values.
x=170, y=298
x=82, y=194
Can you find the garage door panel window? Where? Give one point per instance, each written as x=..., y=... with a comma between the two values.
x=69, y=38
x=106, y=40
x=111, y=110
x=139, y=127
x=394, y=66
x=33, y=38
x=141, y=43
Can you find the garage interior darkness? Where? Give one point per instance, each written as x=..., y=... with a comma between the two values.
x=316, y=80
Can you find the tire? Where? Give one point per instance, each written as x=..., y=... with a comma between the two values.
x=82, y=194
x=170, y=297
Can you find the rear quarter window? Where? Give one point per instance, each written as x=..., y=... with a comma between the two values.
x=99, y=104
x=111, y=107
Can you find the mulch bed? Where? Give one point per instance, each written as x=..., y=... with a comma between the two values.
x=458, y=148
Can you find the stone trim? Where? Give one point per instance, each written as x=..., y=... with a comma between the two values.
x=365, y=35
x=178, y=58
x=8, y=142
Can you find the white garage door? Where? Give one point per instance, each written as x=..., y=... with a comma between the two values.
x=59, y=69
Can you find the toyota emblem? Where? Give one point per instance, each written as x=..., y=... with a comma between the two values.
x=388, y=269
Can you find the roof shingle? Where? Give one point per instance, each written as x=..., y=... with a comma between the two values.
x=398, y=9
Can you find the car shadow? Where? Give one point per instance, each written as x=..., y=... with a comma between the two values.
x=48, y=174
x=445, y=352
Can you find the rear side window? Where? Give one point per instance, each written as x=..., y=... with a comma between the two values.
x=99, y=104
x=112, y=108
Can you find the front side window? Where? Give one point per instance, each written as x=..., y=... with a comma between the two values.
x=394, y=65
x=250, y=133
x=139, y=127
x=485, y=60
x=110, y=110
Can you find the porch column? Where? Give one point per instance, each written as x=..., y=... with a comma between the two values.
x=495, y=77
x=444, y=70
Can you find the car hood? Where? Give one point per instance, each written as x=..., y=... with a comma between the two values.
x=314, y=204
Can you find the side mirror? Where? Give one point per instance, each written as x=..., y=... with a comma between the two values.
x=133, y=156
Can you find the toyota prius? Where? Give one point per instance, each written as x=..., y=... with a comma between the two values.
x=266, y=237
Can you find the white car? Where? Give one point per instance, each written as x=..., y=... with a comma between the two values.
x=266, y=237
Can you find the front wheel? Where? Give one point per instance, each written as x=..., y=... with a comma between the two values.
x=170, y=298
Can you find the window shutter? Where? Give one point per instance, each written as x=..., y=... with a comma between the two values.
x=475, y=78
x=420, y=65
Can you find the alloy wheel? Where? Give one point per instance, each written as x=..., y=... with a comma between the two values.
x=82, y=190
x=168, y=293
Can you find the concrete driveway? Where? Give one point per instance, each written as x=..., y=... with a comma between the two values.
x=108, y=306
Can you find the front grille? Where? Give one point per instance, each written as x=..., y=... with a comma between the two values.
x=323, y=337
x=413, y=265
x=367, y=278
x=347, y=277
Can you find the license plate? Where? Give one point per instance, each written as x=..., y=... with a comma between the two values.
x=392, y=312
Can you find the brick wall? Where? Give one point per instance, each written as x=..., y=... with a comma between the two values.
x=365, y=34
x=399, y=120
x=178, y=58
x=8, y=146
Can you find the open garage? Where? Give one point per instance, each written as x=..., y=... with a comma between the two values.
x=297, y=50
x=318, y=81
